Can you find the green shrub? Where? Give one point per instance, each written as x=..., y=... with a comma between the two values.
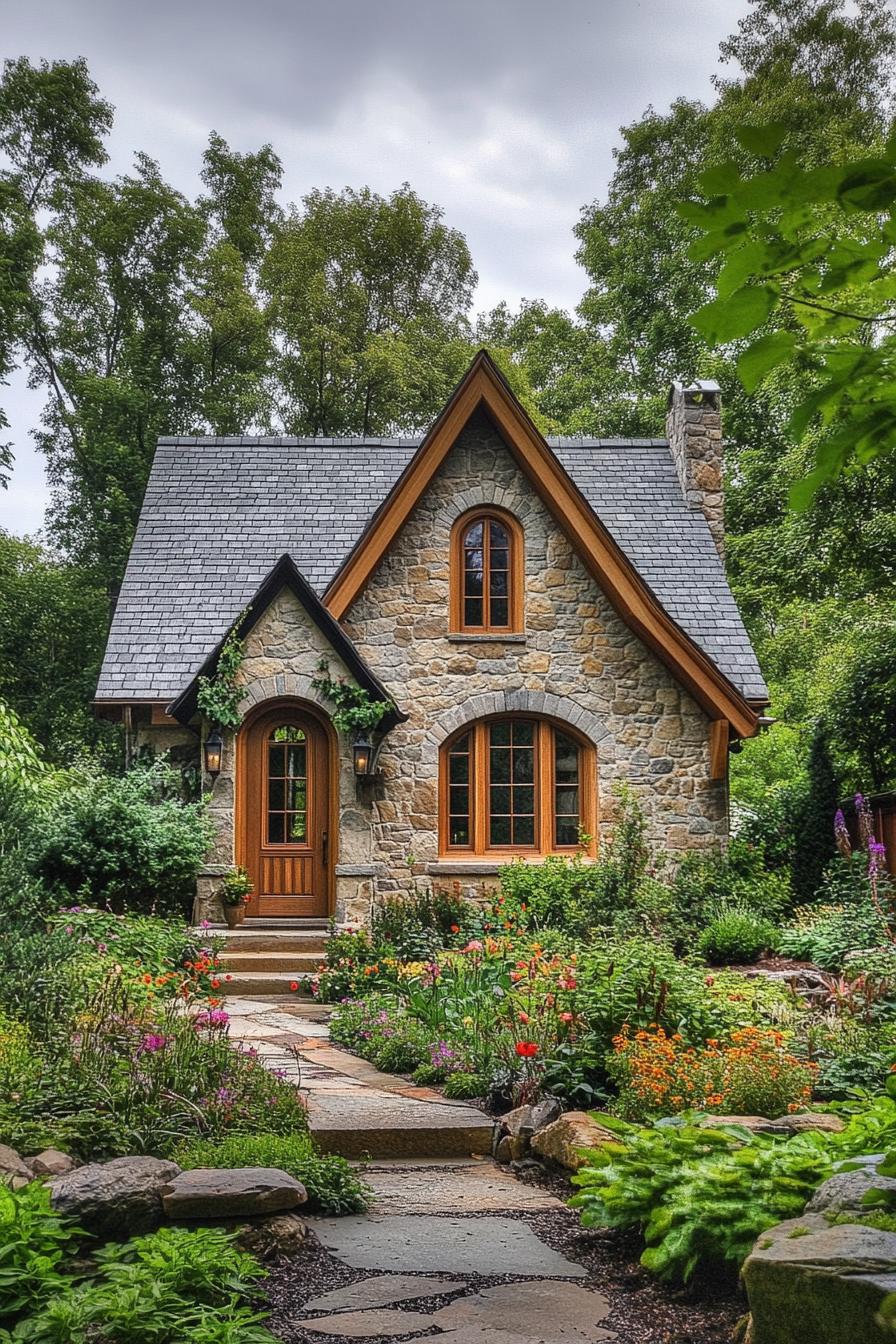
x=825, y=934
x=383, y=1032
x=332, y=1184
x=736, y=935
x=346, y=969
x=703, y=1196
x=187, y=1284
x=34, y=1242
x=421, y=924
x=461, y=1086
x=640, y=982
x=740, y=877
x=125, y=842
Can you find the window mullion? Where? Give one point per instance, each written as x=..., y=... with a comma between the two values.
x=544, y=800
x=480, y=789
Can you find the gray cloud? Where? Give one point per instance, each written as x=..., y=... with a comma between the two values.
x=503, y=111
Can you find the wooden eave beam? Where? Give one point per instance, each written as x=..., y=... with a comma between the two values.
x=626, y=590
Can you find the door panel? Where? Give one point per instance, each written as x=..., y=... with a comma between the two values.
x=284, y=802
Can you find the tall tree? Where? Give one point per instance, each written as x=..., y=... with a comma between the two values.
x=368, y=297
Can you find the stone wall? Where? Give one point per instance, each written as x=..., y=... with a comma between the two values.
x=577, y=661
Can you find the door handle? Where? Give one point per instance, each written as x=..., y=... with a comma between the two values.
x=325, y=845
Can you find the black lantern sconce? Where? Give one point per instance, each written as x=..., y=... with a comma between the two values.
x=365, y=754
x=214, y=749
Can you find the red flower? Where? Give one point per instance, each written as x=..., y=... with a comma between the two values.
x=455, y=928
x=294, y=985
x=526, y=1049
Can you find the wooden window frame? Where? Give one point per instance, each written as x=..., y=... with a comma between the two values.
x=515, y=576
x=545, y=775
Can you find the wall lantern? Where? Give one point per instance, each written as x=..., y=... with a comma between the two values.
x=214, y=748
x=363, y=756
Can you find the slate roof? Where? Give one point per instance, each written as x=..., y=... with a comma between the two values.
x=219, y=512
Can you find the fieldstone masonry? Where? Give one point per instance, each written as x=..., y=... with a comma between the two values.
x=576, y=661
x=694, y=430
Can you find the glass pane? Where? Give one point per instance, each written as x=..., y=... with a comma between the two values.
x=500, y=798
x=458, y=800
x=275, y=828
x=566, y=759
x=524, y=830
x=499, y=831
x=523, y=732
x=276, y=762
x=523, y=765
x=497, y=534
x=523, y=799
x=567, y=802
x=295, y=761
x=459, y=831
x=499, y=612
x=298, y=795
x=473, y=611
x=499, y=766
x=458, y=766
x=296, y=828
x=500, y=734
x=275, y=795
x=473, y=535
x=498, y=583
x=473, y=583
x=567, y=831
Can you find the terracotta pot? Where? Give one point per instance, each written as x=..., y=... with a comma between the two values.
x=234, y=914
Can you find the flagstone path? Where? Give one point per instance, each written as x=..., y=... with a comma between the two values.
x=446, y=1221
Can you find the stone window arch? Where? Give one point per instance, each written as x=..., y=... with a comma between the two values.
x=517, y=784
x=487, y=573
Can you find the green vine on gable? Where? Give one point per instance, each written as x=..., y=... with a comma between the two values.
x=355, y=708
x=220, y=696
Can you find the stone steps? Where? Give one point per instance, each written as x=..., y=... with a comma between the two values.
x=284, y=962
x=263, y=983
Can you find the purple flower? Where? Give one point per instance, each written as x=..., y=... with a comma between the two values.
x=151, y=1044
x=877, y=857
x=225, y=1095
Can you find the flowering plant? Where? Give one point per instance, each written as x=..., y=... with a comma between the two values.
x=751, y=1073
x=236, y=887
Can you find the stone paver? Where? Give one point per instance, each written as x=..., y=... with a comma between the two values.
x=456, y=1245
x=469, y=1187
x=384, y=1290
x=365, y=1324
x=540, y=1310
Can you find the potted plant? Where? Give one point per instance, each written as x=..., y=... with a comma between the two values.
x=236, y=889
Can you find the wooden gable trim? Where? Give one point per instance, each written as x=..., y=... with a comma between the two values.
x=285, y=574
x=484, y=386
x=719, y=737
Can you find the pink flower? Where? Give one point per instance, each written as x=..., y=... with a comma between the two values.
x=473, y=945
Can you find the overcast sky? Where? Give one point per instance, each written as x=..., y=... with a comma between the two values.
x=504, y=112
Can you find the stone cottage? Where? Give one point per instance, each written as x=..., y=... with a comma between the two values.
x=535, y=620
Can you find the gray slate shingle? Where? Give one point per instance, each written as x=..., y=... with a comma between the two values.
x=218, y=514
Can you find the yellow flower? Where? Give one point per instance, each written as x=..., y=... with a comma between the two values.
x=468, y=1021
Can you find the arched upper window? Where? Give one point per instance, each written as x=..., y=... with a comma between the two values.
x=487, y=574
x=516, y=786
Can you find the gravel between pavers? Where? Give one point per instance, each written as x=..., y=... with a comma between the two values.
x=643, y=1309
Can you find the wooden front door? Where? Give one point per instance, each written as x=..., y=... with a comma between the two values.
x=285, y=804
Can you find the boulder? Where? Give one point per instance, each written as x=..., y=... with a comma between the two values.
x=13, y=1171
x=269, y=1238
x=212, y=1192
x=783, y=1126
x=51, y=1162
x=511, y=1148
x=514, y=1122
x=844, y=1193
x=563, y=1141
x=545, y=1112
x=799, y=1124
x=808, y=1281
x=121, y=1198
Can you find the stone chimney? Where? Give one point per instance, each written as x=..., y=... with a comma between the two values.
x=694, y=431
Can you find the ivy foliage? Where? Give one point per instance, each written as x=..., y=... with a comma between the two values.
x=356, y=710
x=220, y=696
x=807, y=281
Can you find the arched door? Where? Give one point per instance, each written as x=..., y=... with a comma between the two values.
x=284, y=791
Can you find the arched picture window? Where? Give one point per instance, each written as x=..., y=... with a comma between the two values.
x=487, y=574
x=517, y=785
